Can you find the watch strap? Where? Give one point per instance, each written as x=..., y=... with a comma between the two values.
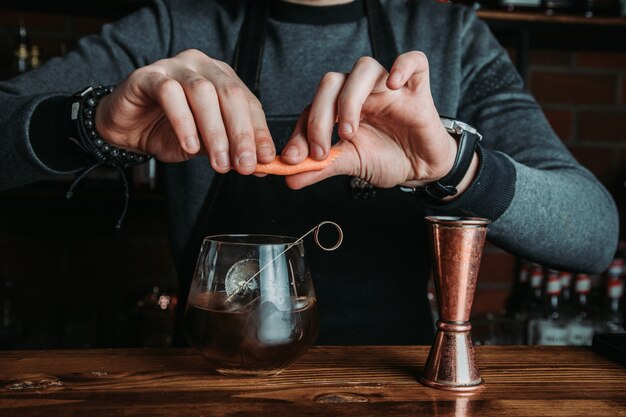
x=446, y=186
x=468, y=141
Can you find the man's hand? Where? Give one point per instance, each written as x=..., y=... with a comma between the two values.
x=390, y=129
x=180, y=107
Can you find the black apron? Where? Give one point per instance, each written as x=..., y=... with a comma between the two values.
x=372, y=290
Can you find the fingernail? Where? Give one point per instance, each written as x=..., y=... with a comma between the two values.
x=317, y=151
x=222, y=160
x=246, y=159
x=346, y=128
x=192, y=143
x=291, y=151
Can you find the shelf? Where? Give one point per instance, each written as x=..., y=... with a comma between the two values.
x=92, y=8
x=524, y=31
x=549, y=20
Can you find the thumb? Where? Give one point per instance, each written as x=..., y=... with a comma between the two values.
x=346, y=163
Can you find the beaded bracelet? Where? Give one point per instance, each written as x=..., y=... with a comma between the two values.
x=83, y=117
x=83, y=114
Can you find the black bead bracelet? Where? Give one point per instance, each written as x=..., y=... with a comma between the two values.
x=83, y=113
x=83, y=117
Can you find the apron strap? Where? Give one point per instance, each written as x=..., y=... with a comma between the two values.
x=248, y=58
x=384, y=48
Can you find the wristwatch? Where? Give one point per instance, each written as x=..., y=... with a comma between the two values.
x=468, y=139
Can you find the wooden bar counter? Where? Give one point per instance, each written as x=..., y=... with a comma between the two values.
x=327, y=381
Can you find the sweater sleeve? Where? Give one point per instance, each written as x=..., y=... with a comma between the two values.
x=34, y=107
x=544, y=205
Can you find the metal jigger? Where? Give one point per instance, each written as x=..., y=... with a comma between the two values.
x=457, y=246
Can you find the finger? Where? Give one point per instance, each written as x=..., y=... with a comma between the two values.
x=346, y=163
x=265, y=149
x=170, y=96
x=410, y=66
x=221, y=73
x=366, y=75
x=323, y=114
x=297, y=148
x=238, y=122
x=202, y=98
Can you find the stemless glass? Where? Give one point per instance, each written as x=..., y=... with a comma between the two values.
x=252, y=308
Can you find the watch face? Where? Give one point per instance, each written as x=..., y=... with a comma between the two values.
x=455, y=126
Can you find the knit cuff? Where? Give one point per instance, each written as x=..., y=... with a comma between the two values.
x=489, y=195
x=49, y=132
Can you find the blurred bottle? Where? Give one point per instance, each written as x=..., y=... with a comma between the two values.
x=581, y=327
x=552, y=328
x=566, y=288
x=592, y=8
x=478, y=4
x=616, y=268
x=21, y=55
x=611, y=318
x=432, y=302
x=34, y=58
x=157, y=314
x=520, y=5
x=520, y=291
x=516, y=304
x=533, y=304
x=551, y=7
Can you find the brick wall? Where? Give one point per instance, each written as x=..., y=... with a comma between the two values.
x=582, y=92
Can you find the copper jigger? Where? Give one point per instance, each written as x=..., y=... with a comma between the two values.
x=457, y=246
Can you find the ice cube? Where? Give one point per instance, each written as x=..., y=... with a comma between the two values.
x=242, y=280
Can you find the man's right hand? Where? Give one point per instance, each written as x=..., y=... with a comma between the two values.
x=184, y=106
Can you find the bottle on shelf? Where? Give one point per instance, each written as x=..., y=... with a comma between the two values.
x=520, y=291
x=567, y=298
x=34, y=57
x=533, y=304
x=515, y=311
x=611, y=318
x=616, y=268
x=21, y=54
x=552, y=327
x=581, y=327
x=591, y=8
x=520, y=5
x=551, y=7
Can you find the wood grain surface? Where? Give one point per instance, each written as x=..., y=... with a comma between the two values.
x=327, y=381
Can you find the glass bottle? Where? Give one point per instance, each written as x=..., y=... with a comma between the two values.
x=519, y=292
x=581, y=328
x=533, y=304
x=612, y=316
x=552, y=328
x=21, y=55
x=35, y=57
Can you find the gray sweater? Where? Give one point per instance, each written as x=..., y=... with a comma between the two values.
x=545, y=206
